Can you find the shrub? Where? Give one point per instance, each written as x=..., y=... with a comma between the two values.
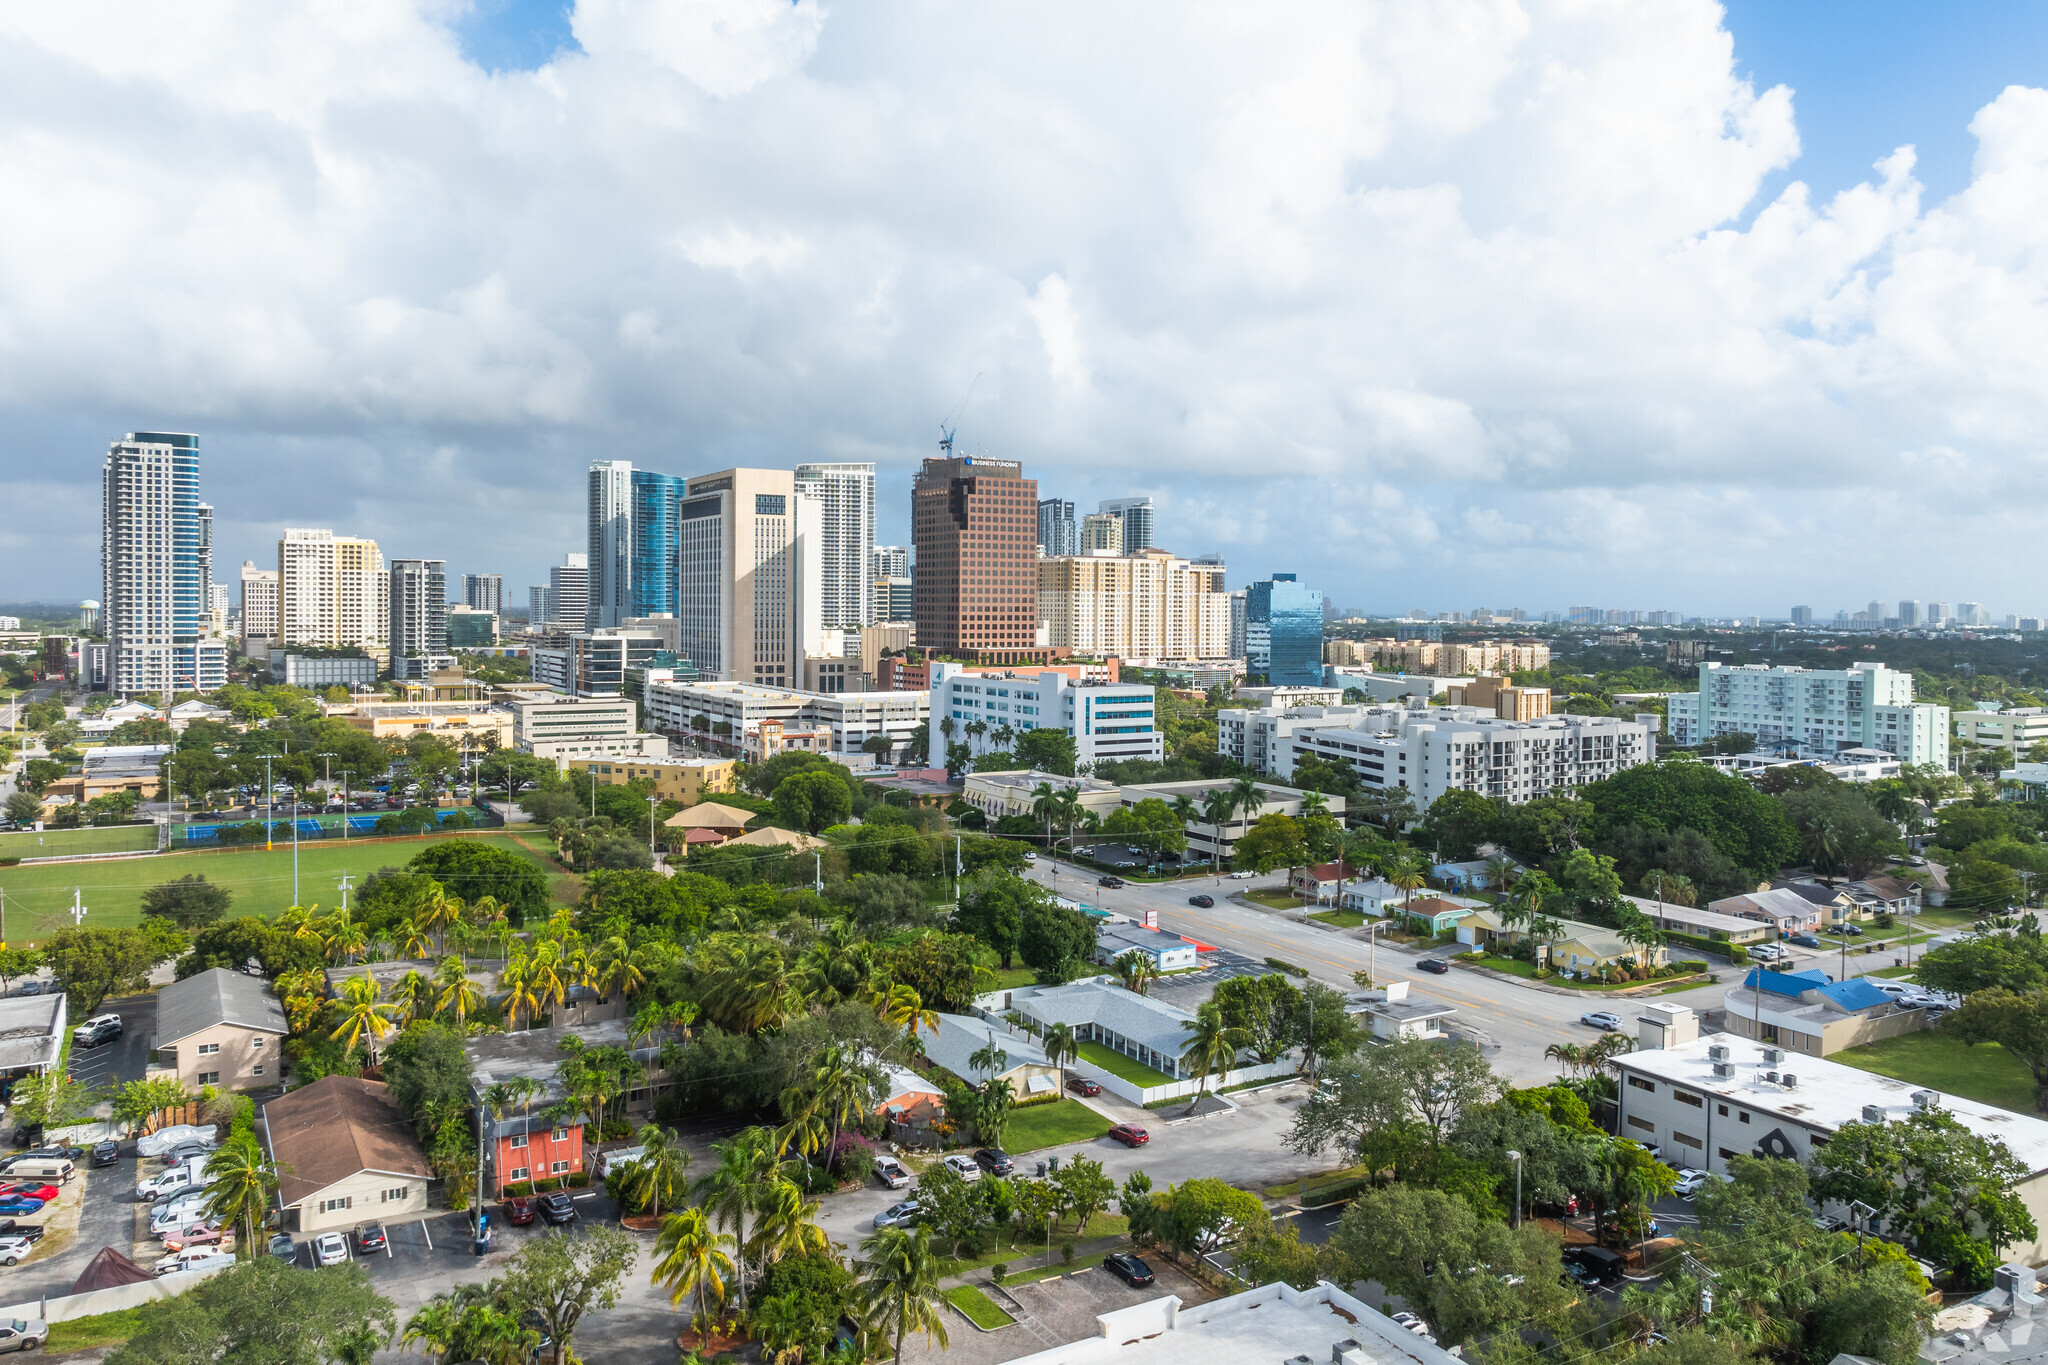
x=1067, y=1252
x=519, y=1189
x=997, y=1271
x=577, y=1180
x=546, y=1186
x=1281, y=964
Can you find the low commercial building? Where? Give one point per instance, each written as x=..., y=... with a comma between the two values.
x=1166, y=952
x=316, y=672
x=1395, y=1016
x=727, y=712
x=1391, y=687
x=2017, y=728
x=688, y=780
x=1783, y=909
x=1709, y=924
x=562, y=728
x=220, y=1028
x=1020, y=1060
x=1807, y=1013
x=483, y=724
x=344, y=1155
x=1705, y=1100
x=1014, y=792
x=990, y=708
x=1098, y=1010
x=114, y=768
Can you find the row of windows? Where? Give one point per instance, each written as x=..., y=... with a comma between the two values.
x=396, y=1195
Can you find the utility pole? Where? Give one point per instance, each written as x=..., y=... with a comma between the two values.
x=269, y=805
x=346, y=878
x=295, y=846
x=78, y=909
x=817, y=857
x=958, y=868
x=346, y=773
x=652, y=802
x=1518, y=1186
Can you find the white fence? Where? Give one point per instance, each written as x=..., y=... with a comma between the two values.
x=1176, y=1090
x=94, y=1302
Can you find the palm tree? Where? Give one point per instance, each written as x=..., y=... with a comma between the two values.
x=358, y=1345
x=457, y=991
x=1570, y=1056
x=1045, y=803
x=348, y=942
x=899, y=1285
x=435, y=1326
x=1217, y=808
x=619, y=969
x=412, y=940
x=990, y=1059
x=414, y=997
x=731, y=1191
x=786, y=1224
x=363, y=1014
x=1501, y=871
x=690, y=1260
x=1212, y=1045
x=1060, y=1044
x=1136, y=970
x=903, y=1007
x=1246, y=798
x=1406, y=875
x=804, y=1126
x=842, y=1091
x=657, y=1177
x=517, y=984
x=243, y=1184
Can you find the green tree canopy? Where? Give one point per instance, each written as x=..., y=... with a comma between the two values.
x=471, y=869
x=1055, y=942
x=259, y=1312
x=1751, y=829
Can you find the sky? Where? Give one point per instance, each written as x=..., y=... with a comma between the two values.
x=1437, y=303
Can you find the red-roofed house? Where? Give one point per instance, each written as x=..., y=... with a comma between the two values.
x=1323, y=880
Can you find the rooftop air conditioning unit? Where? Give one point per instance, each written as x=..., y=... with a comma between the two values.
x=1771, y=1076
x=1774, y=1055
x=1724, y=1071
x=1927, y=1099
x=1340, y=1350
x=1718, y=1053
x=1789, y=1081
x=1873, y=1113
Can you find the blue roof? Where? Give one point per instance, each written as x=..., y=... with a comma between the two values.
x=1786, y=983
x=1855, y=994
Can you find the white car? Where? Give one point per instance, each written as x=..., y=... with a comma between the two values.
x=1414, y=1324
x=197, y=1258
x=1690, y=1182
x=964, y=1167
x=1242, y=876
x=330, y=1248
x=1766, y=952
x=1604, y=1020
x=13, y=1249
x=891, y=1172
x=163, y=1139
x=1029, y=856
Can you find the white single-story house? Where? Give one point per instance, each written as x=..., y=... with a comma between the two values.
x=1168, y=952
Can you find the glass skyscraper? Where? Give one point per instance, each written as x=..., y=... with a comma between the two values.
x=155, y=555
x=653, y=587
x=1284, y=629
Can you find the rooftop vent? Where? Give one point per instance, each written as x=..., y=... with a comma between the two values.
x=1873, y=1113
x=1340, y=1350
x=1724, y=1071
x=1718, y=1053
x=1773, y=1055
x=1789, y=1081
x=1927, y=1099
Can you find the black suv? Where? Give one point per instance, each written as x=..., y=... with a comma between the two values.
x=105, y=1153
x=995, y=1161
x=1112, y=881
x=556, y=1207
x=1593, y=1265
x=1206, y=902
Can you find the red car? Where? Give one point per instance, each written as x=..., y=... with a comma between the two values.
x=30, y=1190
x=519, y=1211
x=1081, y=1085
x=1130, y=1135
x=201, y=1236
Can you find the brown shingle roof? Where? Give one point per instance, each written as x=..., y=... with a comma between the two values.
x=335, y=1128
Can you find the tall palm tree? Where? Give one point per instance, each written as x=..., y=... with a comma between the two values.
x=731, y=1191
x=619, y=969
x=435, y=1326
x=1217, y=808
x=804, y=1126
x=243, y=1184
x=1060, y=1044
x=457, y=991
x=412, y=940
x=1406, y=876
x=656, y=1179
x=786, y=1224
x=364, y=1014
x=1246, y=798
x=1212, y=1046
x=690, y=1261
x=1136, y=970
x=903, y=1007
x=413, y=997
x=516, y=981
x=899, y=1285
x=842, y=1089
x=1569, y=1056
x=989, y=1059
x=348, y=942
x=1045, y=804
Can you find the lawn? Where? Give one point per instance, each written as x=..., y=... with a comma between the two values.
x=39, y=896
x=1018, y=1245
x=980, y=1309
x=1010, y=978
x=59, y=843
x=1049, y=1125
x=1122, y=1067
x=104, y=1329
x=1278, y=900
x=1986, y=1072
x=1343, y=919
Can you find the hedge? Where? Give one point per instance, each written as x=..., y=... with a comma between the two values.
x=1282, y=964
x=1734, y=952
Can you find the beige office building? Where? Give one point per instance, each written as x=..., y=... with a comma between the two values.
x=749, y=575
x=1102, y=534
x=333, y=592
x=1145, y=606
x=259, y=602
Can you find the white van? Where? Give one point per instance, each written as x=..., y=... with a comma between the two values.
x=188, y=1175
x=180, y=1211
x=42, y=1168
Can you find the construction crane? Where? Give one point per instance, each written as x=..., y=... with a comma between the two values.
x=946, y=429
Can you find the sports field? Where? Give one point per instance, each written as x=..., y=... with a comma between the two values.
x=60, y=843
x=38, y=897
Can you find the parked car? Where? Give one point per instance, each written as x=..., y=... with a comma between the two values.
x=1804, y=941
x=15, y=1206
x=199, y=1258
x=101, y=1028
x=557, y=1207
x=994, y=1160
x=163, y=1139
x=32, y=988
x=964, y=1167
x=330, y=1248
x=1848, y=930
x=1604, y=1020
x=31, y=1189
x=1128, y=1268
x=1690, y=1182
x=204, y=1235
x=1766, y=952
x=185, y=1151
x=899, y=1215
x=1130, y=1135
x=1414, y=1324
x=1243, y=876
x=1604, y=1266
x=12, y=1249
x=106, y=1153
x=283, y=1247
x=892, y=1173
x=33, y=1231
x=1206, y=902
x=518, y=1211
x=369, y=1238
x=1435, y=966
x=23, y=1334
x=1110, y=880
x=1029, y=856
x=1081, y=1085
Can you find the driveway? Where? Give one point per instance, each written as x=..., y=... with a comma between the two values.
x=127, y=1057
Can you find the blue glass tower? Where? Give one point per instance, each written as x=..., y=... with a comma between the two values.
x=1284, y=626
x=653, y=583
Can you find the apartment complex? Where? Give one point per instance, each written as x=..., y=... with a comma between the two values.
x=1145, y=606
x=1812, y=713
x=419, y=617
x=732, y=711
x=1283, y=631
x=2017, y=728
x=333, y=592
x=1435, y=657
x=1497, y=695
x=1057, y=535
x=988, y=708
x=595, y=662
x=687, y=780
x=1101, y=534
x=974, y=526
x=1430, y=750
x=1134, y=521
x=889, y=561
x=568, y=597
x=471, y=628
x=484, y=592
x=259, y=603
x=845, y=494
x=561, y=728
x=155, y=567
x=610, y=553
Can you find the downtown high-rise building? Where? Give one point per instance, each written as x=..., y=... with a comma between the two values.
x=610, y=554
x=845, y=494
x=484, y=591
x=974, y=527
x=1284, y=632
x=1802, y=616
x=568, y=604
x=1136, y=516
x=332, y=592
x=155, y=568
x=1057, y=534
x=889, y=561
x=1909, y=614
x=419, y=617
x=1939, y=614
x=748, y=576
x=1101, y=534
x=259, y=604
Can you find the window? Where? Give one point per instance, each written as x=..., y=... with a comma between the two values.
x=1639, y=1083
x=256, y=1070
x=1744, y=1115
x=1694, y=1100
x=1644, y=1124
x=330, y=1205
x=209, y=1049
x=1722, y=1110
x=517, y=1173
x=396, y=1196
x=256, y=1044
x=559, y=1135
x=558, y=1168
x=1686, y=1139
x=519, y=1140
x=209, y=1078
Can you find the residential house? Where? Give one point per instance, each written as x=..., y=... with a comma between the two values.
x=1833, y=905
x=908, y=1099
x=1320, y=880
x=1023, y=1063
x=220, y=1028
x=344, y=1155
x=1785, y=910
x=1167, y=952
x=1473, y=875
x=1579, y=948
x=1434, y=915
x=1707, y=924
x=708, y=824
x=1393, y=1015
x=535, y=1140
x=1884, y=895
x=1805, y=1012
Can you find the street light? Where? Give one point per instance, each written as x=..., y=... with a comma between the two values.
x=652, y=802
x=1517, y=1156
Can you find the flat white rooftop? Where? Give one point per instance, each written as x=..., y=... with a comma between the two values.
x=1828, y=1094
x=1267, y=1326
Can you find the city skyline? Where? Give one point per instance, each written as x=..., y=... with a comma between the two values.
x=1413, y=406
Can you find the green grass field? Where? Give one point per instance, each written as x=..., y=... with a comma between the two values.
x=1986, y=1073
x=1343, y=919
x=61, y=843
x=1049, y=1125
x=38, y=897
x=981, y=1310
x=1116, y=1064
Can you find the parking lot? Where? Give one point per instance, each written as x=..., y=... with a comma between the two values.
x=124, y=1059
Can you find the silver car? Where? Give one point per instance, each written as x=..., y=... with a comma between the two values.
x=899, y=1215
x=23, y=1334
